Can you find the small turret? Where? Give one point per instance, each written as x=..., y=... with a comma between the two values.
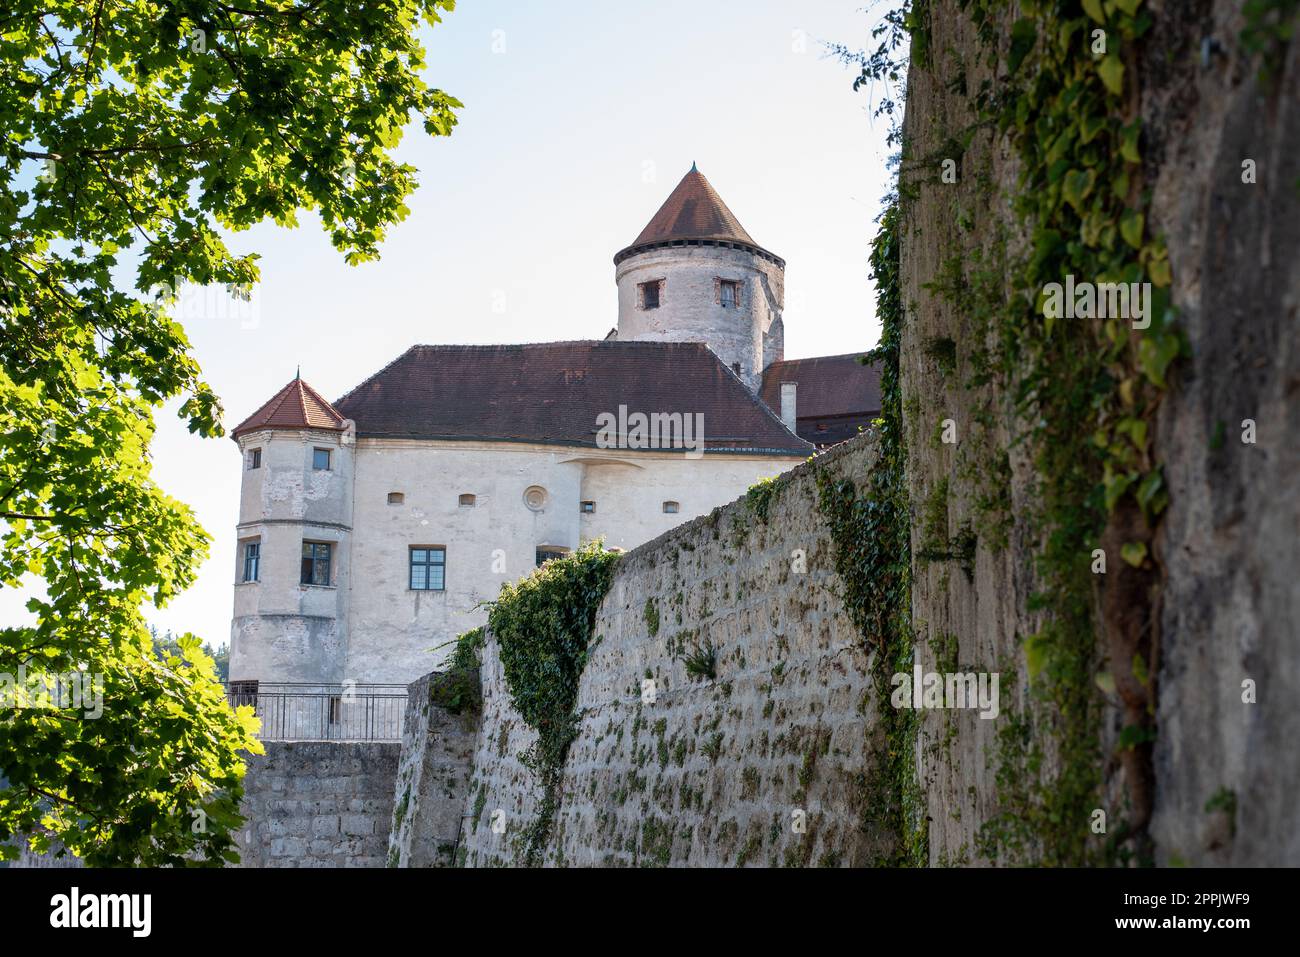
x=695, y=275
x=295, y=525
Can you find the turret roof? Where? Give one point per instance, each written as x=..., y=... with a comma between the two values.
x=693, y=211
x=296, y=406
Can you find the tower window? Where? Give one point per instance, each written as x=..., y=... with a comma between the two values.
x=671, y=508
x=729, y=293
x=648, y=293
x=587, y=508
x=396, y=498
x=254, y=459
x=735, y=367
x=546, y=552
x=252, y=560
x=428, y=568
x=316, y=563
x=320, y=459
x=467, y=500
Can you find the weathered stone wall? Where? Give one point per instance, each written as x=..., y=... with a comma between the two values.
x=1228, y=547
x=761, y=764
x=1231, y=546
x=318, y=804
x=433, y=778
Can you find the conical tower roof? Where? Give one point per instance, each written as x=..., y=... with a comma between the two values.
x=693, y=212
x=296, y=406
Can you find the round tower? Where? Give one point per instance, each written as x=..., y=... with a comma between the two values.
x=695, y=275
x=294, y=536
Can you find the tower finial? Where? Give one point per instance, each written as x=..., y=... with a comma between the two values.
x=298, y=373
x=693, y=169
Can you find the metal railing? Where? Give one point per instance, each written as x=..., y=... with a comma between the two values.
x=292, y=711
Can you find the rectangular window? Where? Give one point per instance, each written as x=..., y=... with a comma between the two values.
x=320, y=459
x=587, y=508
x=428, y=568
x=546, y=554
x=254, y=459
x=649, y=294
x=729, y=294
x=243, y=692
x=316, y=563
x=335, y=706
x=252, y=560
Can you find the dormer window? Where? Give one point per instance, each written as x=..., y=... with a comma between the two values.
x=648, y=294
x=729, y=293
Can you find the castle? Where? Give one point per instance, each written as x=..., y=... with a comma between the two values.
x=372, y=529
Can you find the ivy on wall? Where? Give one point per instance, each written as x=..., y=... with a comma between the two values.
x=543, y=626
x=871, y=538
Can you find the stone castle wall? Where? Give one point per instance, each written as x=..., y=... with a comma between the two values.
x=318, y=804
x=761, y=764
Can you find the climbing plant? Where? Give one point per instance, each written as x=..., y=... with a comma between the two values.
x=543, y=626
x=871, y=539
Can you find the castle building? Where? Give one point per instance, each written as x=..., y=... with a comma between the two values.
x=373, y=529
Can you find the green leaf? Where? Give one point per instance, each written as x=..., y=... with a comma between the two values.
x=1024, y=33
x=1036, y=654
x=1135, y=553
x=1111, y=71
x=1093, y=9
x=1155, y=352
x=1131, y=225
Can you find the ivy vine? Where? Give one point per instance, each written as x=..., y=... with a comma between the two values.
x=871, y=550
x=543, y=627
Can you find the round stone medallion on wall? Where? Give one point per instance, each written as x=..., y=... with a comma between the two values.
x=535, y=497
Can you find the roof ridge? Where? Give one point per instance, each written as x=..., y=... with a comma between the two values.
x=755, y=398
x=838, y=355
x=396, y=359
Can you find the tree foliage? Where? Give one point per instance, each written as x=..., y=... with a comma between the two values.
x=136, y=135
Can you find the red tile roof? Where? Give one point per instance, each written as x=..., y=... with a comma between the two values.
x=828, y=385
x=693, y=211
x=552, y=392
x=296, y=406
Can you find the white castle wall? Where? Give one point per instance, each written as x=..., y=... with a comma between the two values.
x=371, y=627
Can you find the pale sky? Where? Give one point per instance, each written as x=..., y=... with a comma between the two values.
x=579, y=119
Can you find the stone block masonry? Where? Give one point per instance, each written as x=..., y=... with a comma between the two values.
x=318, y=804
x=432, y=780
x=763, y=762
